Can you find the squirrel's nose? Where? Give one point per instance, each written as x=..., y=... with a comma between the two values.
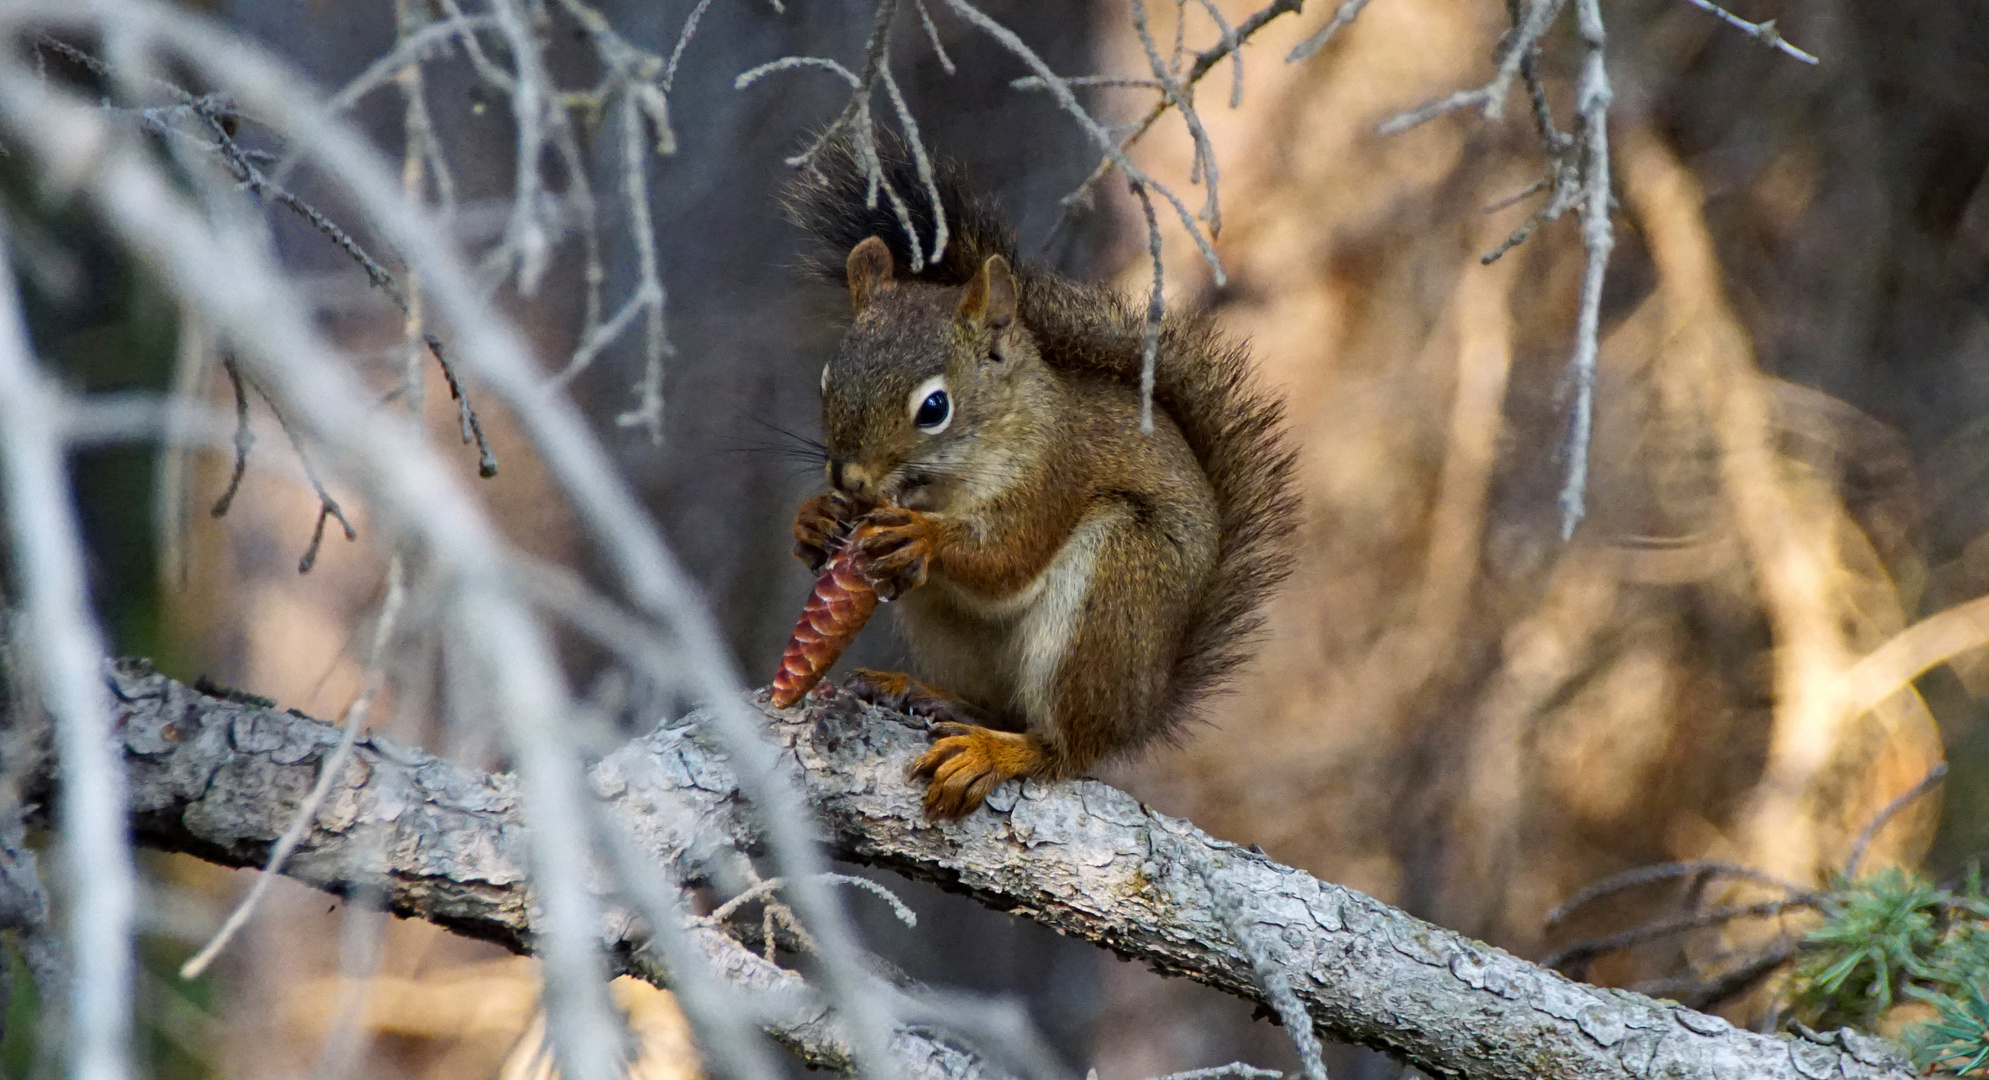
x=849, y=477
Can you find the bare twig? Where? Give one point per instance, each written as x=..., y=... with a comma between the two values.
x=932, y=35
x=245, y=439
x=1229, y=40
x=1129, y=82
x=1906, y=798
x=1205, y=61
x=1698, y=993
x=856, y=124
x=24, y=909
x=1203, y=170
x=920, y=161
x=466, y=417
x=1563, y=179
x=1581, y=952
x=1592, y=134
x=728, y=1029
x=418, y=148
x=768, y=887
x=66, y=650
x=683, y=41
x=1113, y=147
x=1343, y=15
x=1274, y=977
x=410, y=52
x=648, y=412
x=1648, y=875
x=217, y=115
x=1156, y=309
x=1490, y=98
x=327, y=506
x=527, y=247
x=332, y=772
x=752, y=75
x=1763, y=32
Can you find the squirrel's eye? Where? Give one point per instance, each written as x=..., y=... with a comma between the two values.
x=931, y=406
x=934, y=411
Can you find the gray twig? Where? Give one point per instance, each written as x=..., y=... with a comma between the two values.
x=1156, y=310
x=1203, y=170
x=1592, y=134
x=1343, y=15
x=24, y=904
x=1490, y=98
x=1764, y=32
x=1235, y=1069
x=1205, y=61
x=1273, y=976
x=1114, y=149
x=66, y=651
x=932, y=35
x=331, y=772
x=649, y=294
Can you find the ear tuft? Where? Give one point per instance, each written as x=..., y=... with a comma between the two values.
x=869, y=271
x=990, y=300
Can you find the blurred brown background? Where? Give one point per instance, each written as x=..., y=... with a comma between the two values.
x=1453, y=710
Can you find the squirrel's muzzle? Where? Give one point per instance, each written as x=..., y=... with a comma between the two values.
x=851, y=479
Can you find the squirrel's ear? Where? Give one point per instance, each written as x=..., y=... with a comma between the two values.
x=990, y=299
x=869, y=271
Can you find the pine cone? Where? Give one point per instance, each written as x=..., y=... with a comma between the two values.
x=838, y=607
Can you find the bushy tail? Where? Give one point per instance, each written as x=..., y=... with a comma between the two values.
x=1201, y=380
x=832, y=202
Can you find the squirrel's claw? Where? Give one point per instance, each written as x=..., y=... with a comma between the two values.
x=821, y=526
x=897, y=690
x=967, y=762
x=898, y=549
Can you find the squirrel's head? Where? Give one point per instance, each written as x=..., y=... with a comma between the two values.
x=929, y=394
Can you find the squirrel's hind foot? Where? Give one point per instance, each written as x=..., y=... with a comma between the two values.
x=967, y=762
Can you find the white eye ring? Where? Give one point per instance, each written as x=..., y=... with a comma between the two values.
x=936, y=384
x=825, y=378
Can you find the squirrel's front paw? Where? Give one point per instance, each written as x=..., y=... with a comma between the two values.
x=821, y=526
x=896, y=549
x=966, y=762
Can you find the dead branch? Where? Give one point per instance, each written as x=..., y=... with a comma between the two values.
x=220, y=779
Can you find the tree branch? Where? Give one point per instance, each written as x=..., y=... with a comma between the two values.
x=220, y=779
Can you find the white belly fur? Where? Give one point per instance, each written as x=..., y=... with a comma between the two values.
x=1005, y=652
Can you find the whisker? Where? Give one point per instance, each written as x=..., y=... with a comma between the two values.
x=795, y=437
x=813, y=454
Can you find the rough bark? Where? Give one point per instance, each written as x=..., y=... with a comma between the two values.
x=219, y=778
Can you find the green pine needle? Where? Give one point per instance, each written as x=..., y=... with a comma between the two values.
x=1879, y=933
x=1959, y=1034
